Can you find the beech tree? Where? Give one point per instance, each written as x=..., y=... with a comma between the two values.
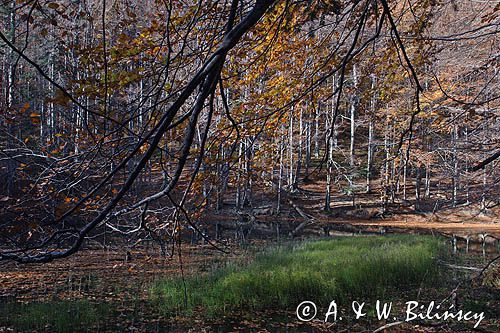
x=141, y=119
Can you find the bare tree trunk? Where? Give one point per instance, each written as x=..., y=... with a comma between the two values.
x=329, y=171
x=485, y=190
x=369, y=158
x=308, y=147
x=427, y=180
x=353, y=116
x=405, y=172
x=316, y=130
x=455, y=166
x=467, y=184
x=238, y=177
x=385, y=187
x=393, y=165
x=418, y=184
x=51, y=108
x=290, y=150
x=330, y=138
x=248, y=172
x=11, y=73
x=281, y=149
x=299, y=154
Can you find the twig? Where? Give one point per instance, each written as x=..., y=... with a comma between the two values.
x=462, y=267
x=380, y=329
x=488, y=265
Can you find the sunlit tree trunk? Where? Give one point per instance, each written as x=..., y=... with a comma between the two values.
x=354, y=105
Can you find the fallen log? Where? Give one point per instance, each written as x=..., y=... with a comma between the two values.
x=308, y=219
x=467, y=268
x=300, y=211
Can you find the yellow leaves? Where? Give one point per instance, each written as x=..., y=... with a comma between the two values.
x=144, y=148
x=145, y=34
x=429, y=98
x=167, y=87
x=123, y=38
x=25, y=107
x=35, y=118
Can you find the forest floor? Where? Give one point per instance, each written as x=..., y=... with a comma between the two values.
x=434, y=213
x=362, y=214
x=122, y=287
x=121, y=283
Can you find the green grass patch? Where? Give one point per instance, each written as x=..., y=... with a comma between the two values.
x=323, y=270
x=54, y=316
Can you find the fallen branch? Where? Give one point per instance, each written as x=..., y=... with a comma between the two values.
x=468, y=268
x=484, y=163
x=380, y=329
x=308, y=219
x=488, y=265
x=300, y=211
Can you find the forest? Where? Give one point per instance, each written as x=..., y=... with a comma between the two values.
x=211, y=165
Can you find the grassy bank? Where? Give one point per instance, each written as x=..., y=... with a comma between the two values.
x=319, y=270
